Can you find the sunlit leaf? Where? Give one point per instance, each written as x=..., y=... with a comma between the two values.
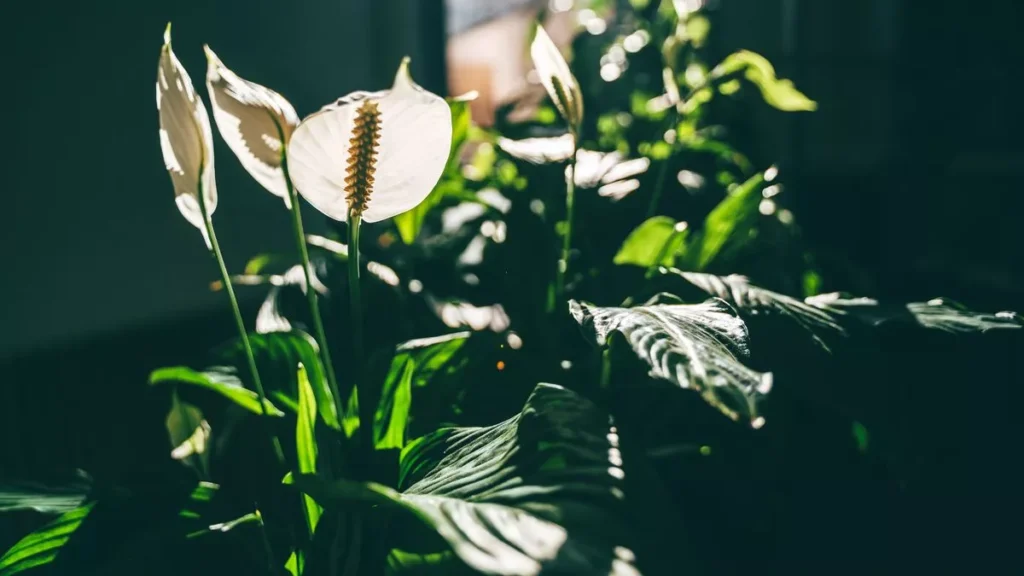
x=414, y=364
x=653, y=243
x=728, y=223
x=44, y=498
x=222, y=382
x=42, y=546
x=777, y=92
x=541, y=493
x=277, y=354
x=694, y=346
x=937, y=314
x=539, y=150
x=305, y=442
x=749, y=299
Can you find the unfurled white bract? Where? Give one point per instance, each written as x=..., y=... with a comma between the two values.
x=557, y=79
x=255, y=121
x=383, y=152
x=185, y=139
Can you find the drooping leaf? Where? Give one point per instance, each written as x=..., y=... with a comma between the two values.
x=409, y=223
x=936, y=314
x=42, y=546
x=277, y=354
x=44, y=498
x=749, y=299
x=728, y=223
x=694, y=346
x=653, y=243
x=777, y=92
x=414, y=364
x=305, y=442
x=220, y=381
x=541, y=493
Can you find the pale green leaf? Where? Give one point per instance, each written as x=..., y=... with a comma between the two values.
x=219, y=381
x=653, y=243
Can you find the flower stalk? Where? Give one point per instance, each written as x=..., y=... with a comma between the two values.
x=570, y=203
x=366, y=407
x=240, y=324
x=311, y=296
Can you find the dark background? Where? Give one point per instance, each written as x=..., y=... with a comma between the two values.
x=906, y=180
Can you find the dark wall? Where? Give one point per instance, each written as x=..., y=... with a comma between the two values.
x=906, y=179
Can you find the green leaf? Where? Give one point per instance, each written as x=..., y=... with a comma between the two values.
x=936, y=314
x=729, y=223
x=277, y=354
x=219, y=381
x=749, y=299
x=409, y=223
x=305, y=442
x=543, y=492
x=696, y=346
x=653, y=243
x=415, y=363
x=778, y=93
x=42, y=546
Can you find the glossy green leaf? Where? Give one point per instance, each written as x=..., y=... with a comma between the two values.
x=653, y=243
x=277, y=355
x=409, y=223
x=305, y=442
x=694, y=346
x=936, y=314
x=749, y=299
x=777, y=92
x=415, y=363
x=42, y=546
x=729, y=223
x=219, y=381
x=543, y=492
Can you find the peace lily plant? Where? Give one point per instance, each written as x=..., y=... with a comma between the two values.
x=430, y=441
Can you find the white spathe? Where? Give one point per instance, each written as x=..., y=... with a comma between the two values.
x=185, y=138
x=255, y=121
x=415, y=140
x=554, y=71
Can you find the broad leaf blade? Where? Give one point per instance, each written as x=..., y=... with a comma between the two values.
x=305, y=442
x=936, y=314
x=777, y=92
x=42, y=546
x=44, y=498
x=542, y=492
x=653, y=243
x=728, y=224
x=415, y=363
x=220, y=382
x=749, y=299
x=277, y=354
x=695, y=346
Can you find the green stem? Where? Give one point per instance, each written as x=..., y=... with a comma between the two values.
x=226, y=279
x=311, y=295
x=366, y=409
x=570, y=193
x=659, y=184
